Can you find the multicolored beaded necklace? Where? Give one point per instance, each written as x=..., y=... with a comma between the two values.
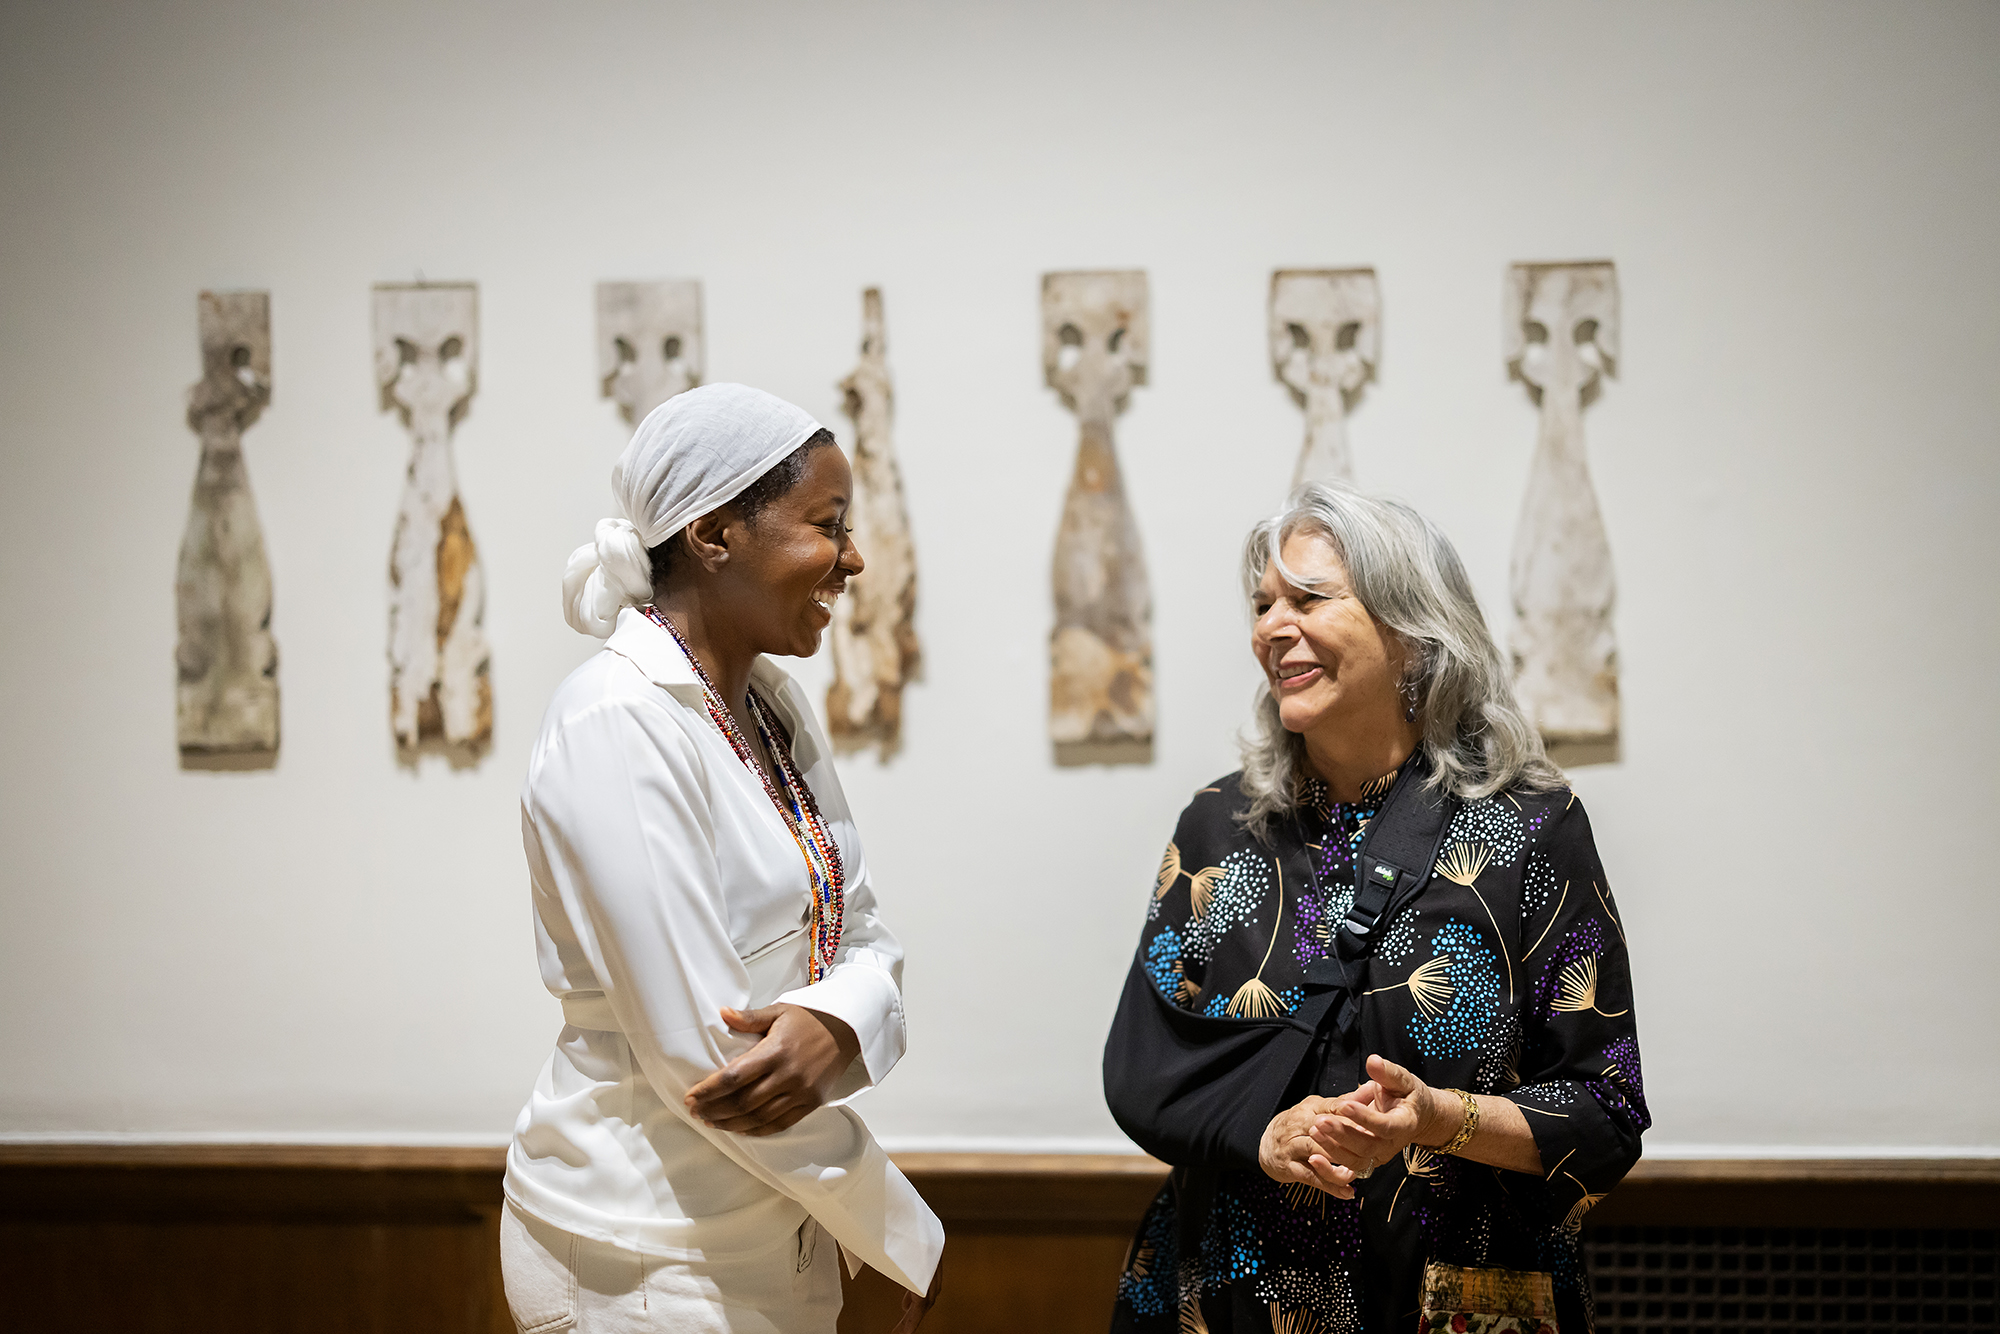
x=794, y=802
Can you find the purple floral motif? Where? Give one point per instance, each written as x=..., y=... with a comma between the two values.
x=1586, y=941
x=1306, y=944
x=1623, y=1056
x=1621, y=1087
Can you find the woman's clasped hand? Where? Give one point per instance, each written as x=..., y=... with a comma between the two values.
x=790, y=1071
x=1329, y=1143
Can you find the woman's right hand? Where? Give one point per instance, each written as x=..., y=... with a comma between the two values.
x=1289, y=1154
x=915, y=1308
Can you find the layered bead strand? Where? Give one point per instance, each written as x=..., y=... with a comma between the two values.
x=796, y=803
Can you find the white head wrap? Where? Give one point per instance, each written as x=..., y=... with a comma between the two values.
x=692, y=455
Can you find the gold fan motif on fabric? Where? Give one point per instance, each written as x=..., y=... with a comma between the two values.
x=1462, y=864
x=1574, y=1222
x=1294, y=1322
x=1576, y=989
x=1202, y=883
x=1254, y=1000
x=1417, y=1162
x=1584, y=1204
x=1304, y=1198
x=1430, y=986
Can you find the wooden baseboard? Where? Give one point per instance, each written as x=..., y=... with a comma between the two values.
x=483, y=1157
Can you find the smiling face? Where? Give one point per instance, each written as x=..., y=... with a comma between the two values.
x=787, y=565
x=1330, y=664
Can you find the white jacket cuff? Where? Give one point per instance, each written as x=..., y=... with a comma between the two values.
x=867, y=1001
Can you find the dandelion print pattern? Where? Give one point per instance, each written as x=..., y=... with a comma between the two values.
x=1436, y=997
x=1254, y=1000
x=1623, y=1086
x=1568, y=982
x=1474, y=977
x=1429, y=985
x=1538, y=885
x=1151, y=1288
x=1246, y=883
x=1163, y=963
x=1399, y=942
x=1500, y=1056
x=1494, y=823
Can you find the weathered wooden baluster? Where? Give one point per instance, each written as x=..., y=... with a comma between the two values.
x=226, y=659
x=1094, y=349
x=875, y=651
x=1326, y=332
x=1561, y=331
x=649, y=344
x=426, y=363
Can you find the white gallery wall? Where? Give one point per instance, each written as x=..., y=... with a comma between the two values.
x=1799, y=464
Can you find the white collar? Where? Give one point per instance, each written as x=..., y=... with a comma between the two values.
x=654, y=652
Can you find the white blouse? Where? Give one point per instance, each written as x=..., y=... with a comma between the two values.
x=667, y=886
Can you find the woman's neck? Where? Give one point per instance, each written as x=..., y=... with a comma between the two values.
x=1347, y=757
x=723, y=656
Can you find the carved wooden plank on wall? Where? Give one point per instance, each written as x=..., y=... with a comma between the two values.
x=1094, y=351
x=1326, y=335
x=649, y=344
x=227, y=662
x=426, y=364
x=875, y=650
x=1561, y=331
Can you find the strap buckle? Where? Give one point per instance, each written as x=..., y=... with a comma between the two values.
x=1378, y=886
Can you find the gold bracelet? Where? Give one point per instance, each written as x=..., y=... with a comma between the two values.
x=1468, y=1127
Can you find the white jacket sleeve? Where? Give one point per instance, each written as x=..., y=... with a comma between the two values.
x=619, y=804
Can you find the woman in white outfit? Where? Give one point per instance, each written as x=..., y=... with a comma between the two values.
x=703, y=911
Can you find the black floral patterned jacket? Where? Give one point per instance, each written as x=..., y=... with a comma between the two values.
x=1506, y=973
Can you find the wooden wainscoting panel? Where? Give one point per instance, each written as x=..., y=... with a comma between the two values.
x=1033, y=1242
x=261, y=1277
x=263, y=1239
x=1004, y=1283
x=1808, y=1192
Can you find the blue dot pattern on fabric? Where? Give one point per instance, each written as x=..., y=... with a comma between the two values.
x=1163, y=962
x=1475, y=995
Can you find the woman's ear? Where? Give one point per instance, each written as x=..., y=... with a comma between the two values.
x=708, y=537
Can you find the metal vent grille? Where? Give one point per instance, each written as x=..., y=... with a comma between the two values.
x=1724, y=1280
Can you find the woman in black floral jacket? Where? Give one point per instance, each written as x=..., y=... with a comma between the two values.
x=1383, y=1102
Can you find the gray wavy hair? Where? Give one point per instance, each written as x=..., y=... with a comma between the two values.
x=1406, y=573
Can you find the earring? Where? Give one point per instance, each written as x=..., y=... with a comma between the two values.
x=1409, y=701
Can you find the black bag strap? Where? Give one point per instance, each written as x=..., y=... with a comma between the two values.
x=1397, y=857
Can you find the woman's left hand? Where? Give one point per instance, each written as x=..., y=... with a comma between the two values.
x=1376, y=1121
x=1288, y=1154
x=787, y=1074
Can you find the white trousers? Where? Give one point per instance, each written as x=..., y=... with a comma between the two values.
x=558, y=1281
